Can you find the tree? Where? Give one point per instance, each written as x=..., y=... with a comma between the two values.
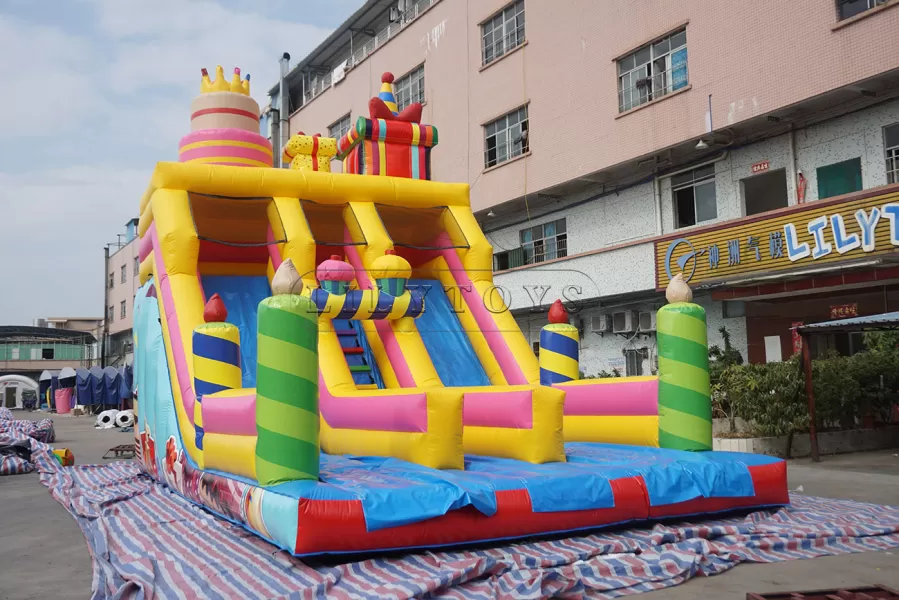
x=720, y=360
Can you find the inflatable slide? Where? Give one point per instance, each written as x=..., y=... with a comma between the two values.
x=323, y=358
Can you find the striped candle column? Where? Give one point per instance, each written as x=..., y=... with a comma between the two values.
x=216, y=358
x=287, y=420
x=685, y=405
x=559, y=349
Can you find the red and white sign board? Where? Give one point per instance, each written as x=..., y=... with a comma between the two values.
x=797, y=339
x=843, y=311
x=760, y=167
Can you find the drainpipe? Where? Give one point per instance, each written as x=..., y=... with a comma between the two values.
x=105, y=336
x=284, y=110
x=657, y=192
x=794, y=168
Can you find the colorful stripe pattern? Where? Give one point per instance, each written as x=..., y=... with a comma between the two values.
x=135, y=545
x=216, y=358
x=287, y=420
x=685, y=406
x=393, y=286
x=388, y=148
x=559, y=350
x=226, y=146
x=367, y=304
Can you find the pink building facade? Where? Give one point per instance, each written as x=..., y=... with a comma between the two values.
x=591, y=131
x=122, y=282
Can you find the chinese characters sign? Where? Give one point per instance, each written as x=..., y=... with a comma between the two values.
x=843, y=311
x=814, y=233
x=760, y=167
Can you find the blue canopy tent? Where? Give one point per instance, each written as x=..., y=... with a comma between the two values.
x=67, y=377
x=112, y=380
x=84, y=391
x=48, y=383
x=127, y=382
x=98, y=387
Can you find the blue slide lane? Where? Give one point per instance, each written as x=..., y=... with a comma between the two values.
x=445, y=340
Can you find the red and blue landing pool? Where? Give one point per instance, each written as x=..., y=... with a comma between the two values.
x=368, y=503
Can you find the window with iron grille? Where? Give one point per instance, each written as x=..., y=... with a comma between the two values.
x=136, y=265
x=410, y=88
x=124, y=310
x=503, y=33
x=110, y=314
x=633, y=357
x=694, y=196
x=653, y=71
x=544, y=242
x=111, y=280
x=850, y=8
x=124, y=273
x=891, y=144
x=507, y=137
x=339, y=128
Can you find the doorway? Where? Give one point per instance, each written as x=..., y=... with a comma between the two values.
x=765, y=192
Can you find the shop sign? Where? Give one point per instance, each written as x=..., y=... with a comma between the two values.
x=797, y=339
x=760, y=167
x=843, y=311
x=814, y=233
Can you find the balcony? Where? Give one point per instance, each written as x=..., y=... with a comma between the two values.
x=324, y=81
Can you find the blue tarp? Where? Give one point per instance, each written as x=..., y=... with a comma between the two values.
x=84, y=391
x=447, y=343
x=126, y=382
x=112, y=379
x=98, y=386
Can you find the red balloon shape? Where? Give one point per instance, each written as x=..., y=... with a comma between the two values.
x=215, y=311
x=558, y=313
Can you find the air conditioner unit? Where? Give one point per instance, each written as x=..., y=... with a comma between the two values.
x=624, y=321
x=601, y=324
x=647, y=321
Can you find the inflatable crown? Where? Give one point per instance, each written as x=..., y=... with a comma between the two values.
x=219, y=84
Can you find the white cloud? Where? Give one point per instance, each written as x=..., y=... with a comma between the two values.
x=54, y=226
x=111, y=97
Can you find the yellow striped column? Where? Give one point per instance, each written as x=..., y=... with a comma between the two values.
x=559, y=350
x=685, y=406
x=216, y=358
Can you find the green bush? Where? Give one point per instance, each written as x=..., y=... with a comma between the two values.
x=772, y=397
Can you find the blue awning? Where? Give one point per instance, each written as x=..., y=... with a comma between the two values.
x=880, y=322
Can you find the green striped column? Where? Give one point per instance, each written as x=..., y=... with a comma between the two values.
x=685, y=403
x=287, y=390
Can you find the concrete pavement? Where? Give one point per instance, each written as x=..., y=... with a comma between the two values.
x=43, y=553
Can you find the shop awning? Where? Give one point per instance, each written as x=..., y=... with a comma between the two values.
x=880, y=322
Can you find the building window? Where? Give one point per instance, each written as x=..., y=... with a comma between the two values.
x=653, y=71
x=339, y=128
x=410, y=88
x=891, y=143
x=694, y=196
x=850, y=8
x=111, y=280
x=839, y=178
x=503, y=33
x=764, y=192
x=35, y=354
x=14, y=354
x=123, y=310
x=110, y=314
x=544, y=242
x=633, y=361
x=507, y=137
x=47, y=353
x=124, y=273
x=136, y=266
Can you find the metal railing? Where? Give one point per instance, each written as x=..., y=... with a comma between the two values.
x=50, y=351
x=652, y=87
x=322, y=82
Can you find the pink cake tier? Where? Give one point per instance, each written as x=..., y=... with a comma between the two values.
x=228, y=146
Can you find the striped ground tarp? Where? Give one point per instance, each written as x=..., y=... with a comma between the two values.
x=147, y=542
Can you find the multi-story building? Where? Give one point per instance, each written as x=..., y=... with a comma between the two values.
x=122, y=281
x=610, y=145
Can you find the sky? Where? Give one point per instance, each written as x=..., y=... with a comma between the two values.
x=94, y=93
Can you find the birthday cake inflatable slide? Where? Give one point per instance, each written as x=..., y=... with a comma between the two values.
x=323, y=359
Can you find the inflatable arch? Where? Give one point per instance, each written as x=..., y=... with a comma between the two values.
x=21, y=380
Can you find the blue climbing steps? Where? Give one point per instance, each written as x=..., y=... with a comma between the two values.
x=358, y=354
